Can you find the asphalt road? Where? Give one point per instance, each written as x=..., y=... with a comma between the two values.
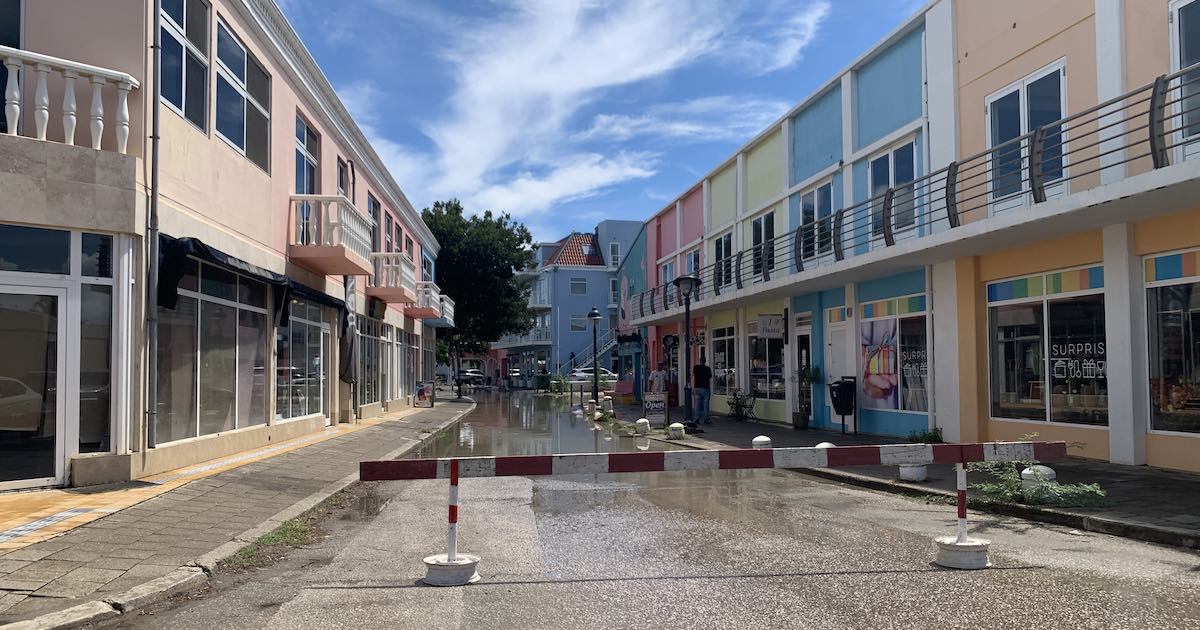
x=732, y=549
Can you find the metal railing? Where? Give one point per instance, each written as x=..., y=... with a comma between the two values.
x=330, y=220
x=19, y=62
x=393, y=270
x=538, y=335
x=1149, y=124
x=583, y=358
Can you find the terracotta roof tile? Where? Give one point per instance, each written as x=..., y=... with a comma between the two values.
x=570, y=251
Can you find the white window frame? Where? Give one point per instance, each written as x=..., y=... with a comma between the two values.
x=757, y=229
x=1183, y=150
x=576, y=326
x=179, y=33
x=572, y=283
x=724, y=244
x=890, y=153
x=1057, y=188
x=818, y=250
x=614, y=254
x=613, y=292
x=225, y=72
x=718, y=335
x=691, y=262
x=927, y=316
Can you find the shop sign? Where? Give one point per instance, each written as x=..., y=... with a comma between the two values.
x=654, y=408
x=770, y=327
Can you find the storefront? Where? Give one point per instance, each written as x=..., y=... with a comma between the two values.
x=1173, y=326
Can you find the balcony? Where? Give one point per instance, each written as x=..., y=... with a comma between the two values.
x=1125, y=159
x=394, y=280
x=24, y=66
x=446, y=320
x=539, y=336
x=428, y=304
x=539, y=297
x=330, y=236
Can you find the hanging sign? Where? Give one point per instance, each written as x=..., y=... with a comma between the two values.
x=770, y=326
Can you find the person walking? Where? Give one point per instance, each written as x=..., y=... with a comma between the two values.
x=658, y=380
x=702, y=385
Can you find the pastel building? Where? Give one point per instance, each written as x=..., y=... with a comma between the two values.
x=568, y=279
x=987, y=220
x=295, y=280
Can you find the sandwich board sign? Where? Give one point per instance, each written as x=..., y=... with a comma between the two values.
x=654, y=408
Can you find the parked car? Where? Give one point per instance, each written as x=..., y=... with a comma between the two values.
x=471, y=376
x=585, y=374
x=20, y=406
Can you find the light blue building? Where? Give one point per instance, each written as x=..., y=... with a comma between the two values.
x=572, y=276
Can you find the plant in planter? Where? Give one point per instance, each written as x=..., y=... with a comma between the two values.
x=807, y=376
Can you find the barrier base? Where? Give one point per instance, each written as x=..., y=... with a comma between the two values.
x=970, y=554
x=439, y=571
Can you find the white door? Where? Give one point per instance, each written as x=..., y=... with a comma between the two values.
x=33, y=334
x=835, y=360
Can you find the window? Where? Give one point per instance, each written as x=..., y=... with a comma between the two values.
x=399, y=236
x=723, y=254
x=1048, y=354
x=427, y=269
x=343, y=177
x=667, y=271
x=374, y=361
x=212, y=355
x=614, y=296
x=388, y=243
x=34, y=250
x=894, y=354
x=816, y=210
x=374, y=209
x=408, y=247
x=724, y=358
x=578, y=286
x=614, y=254
x=894, y=169
x=184, y=66
x=1033, y=102
x=302, y=349
x=1174, y=327
x=1186, y=40
x=766, y=365
x=762, y=231
x=691, y=262
x=587, y=249
x=307, y=150
x=243, y=99
x=579, y=323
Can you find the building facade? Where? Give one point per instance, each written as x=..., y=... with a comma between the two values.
x=568, y=279
x=285, y=246
x=987, y=220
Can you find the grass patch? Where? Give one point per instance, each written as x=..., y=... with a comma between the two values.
x=297, y=532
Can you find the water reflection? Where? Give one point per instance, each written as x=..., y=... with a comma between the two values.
x=522, y=423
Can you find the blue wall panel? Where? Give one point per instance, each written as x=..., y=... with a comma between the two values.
x=817, y=135
x=894, y=423
x=906, y=283
x=888, y=90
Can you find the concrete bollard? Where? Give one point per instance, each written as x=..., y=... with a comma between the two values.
x=761, y=441
x=597, y=416
x=675, y=431
x=826, y=445
x=1031, y=484
x=591, y=407
x=608, y=404
x=914, y=473
x=642, y=426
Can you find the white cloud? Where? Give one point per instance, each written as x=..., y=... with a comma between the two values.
x=708, y=119
x=579, y=177
x=778, y=35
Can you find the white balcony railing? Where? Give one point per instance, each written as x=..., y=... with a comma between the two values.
x=393, y=271
x=429, y=296
x=447, y=309
x=329, y=221
x=538, y=335
x=23, y=65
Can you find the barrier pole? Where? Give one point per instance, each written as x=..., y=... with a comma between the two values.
x=452, y=536
x=961, y=473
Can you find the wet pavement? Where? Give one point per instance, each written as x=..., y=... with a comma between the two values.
x=697, y=549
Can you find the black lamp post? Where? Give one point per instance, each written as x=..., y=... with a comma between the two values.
x=594, y=315
x=687, y=285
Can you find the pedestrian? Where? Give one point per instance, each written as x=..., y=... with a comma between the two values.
x=658, y=379
x=702, y=385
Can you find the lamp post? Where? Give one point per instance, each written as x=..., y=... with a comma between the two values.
x=687, y=285
x=594, y=315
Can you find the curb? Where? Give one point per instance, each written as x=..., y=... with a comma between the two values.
x=1157, y=534
x=191, y=576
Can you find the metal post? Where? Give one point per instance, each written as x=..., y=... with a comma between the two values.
x=687, y=358
x=452, y=536
x=595, y=371
x=961, y=472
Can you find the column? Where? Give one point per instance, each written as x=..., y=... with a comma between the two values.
x=1110, y=83
x=943, y=296
x=1125, y=347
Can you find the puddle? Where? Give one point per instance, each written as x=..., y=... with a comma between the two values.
x=364, y=508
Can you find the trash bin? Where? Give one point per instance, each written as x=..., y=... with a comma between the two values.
x=542, y=382
x=842, y=397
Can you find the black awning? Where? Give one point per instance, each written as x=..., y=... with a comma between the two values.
x=306, y=292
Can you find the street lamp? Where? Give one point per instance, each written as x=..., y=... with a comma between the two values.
x=687, y=285
x=594, y=315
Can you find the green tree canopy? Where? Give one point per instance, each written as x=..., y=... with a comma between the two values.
x=475, y=269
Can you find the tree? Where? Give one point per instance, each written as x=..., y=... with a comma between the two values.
x=475, y=269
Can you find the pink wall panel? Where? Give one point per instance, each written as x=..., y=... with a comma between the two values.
x=693, y=216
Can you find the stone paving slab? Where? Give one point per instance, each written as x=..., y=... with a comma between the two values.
x=1146, y=503
x=148, y=541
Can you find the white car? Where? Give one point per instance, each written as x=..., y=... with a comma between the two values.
x=585, y=374
x=471, y=376
x=19, y=406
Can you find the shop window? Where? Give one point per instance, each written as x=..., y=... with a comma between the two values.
x=1174, y=327
x=184, y=67
x=1047, y=353
x=95, y=368
x=766, y=365
x=724, y=361
x=301, y=348
x=243, y=99
x=894, y=354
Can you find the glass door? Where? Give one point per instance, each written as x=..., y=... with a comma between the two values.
x=33, y=335
x=803, y=380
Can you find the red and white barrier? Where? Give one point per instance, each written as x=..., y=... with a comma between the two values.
x=960, y=551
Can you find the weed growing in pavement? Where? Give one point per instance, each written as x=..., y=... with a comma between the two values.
x=1007, y=486
x=932, y=436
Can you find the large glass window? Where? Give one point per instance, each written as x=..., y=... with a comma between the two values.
x=301, y=350
x=724, y=361
x=95, y=368
x=723, y=255
x=895, y=361
x=1033, y=102
x=1062, y=338
x=34, y=250
x=766, y=365
x=243, y=99
x=184, y=67
x=816, y=207
x=1174, y=327
x=1188, y=38
x=212, y=355
x=894, y=169
x=762, y=234
x=374, y=360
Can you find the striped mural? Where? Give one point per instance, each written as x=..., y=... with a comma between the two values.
x=1173, y=266
x=893, y=307
x=1047, y=284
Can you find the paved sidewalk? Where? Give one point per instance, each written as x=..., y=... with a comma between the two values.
x=156, y=537
x=1145, y=503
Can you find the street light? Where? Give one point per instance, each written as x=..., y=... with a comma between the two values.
x=594, y=315
x=687, y=285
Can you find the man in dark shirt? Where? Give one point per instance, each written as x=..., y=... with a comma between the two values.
x=702, y=385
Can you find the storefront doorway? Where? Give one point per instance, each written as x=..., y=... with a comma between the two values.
x=835, y=360
x=32, y=374
x=804, y=384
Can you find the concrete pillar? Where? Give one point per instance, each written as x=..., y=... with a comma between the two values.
x=852, y=348
x=1110, y=83
x=943, y=294
x=973, y=377
x=1125, y=347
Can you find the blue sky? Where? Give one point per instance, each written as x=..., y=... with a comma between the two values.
x=567, y=112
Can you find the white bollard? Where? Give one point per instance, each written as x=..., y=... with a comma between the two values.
x=591, y=407
x=914, y=473
x=825, y=445
x=597, y=416
x=642, y=426
x=761, y=441
x=451, y=568
x=960, y=551
x=608, y=404
x=1031, y=484
x=675, y=431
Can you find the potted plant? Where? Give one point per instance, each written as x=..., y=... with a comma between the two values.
x=806, y=376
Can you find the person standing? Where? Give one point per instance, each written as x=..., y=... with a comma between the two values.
x=702, y=385
x=658, y=380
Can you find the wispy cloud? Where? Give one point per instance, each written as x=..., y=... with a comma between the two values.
x=778, y=34
x=708, y=119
